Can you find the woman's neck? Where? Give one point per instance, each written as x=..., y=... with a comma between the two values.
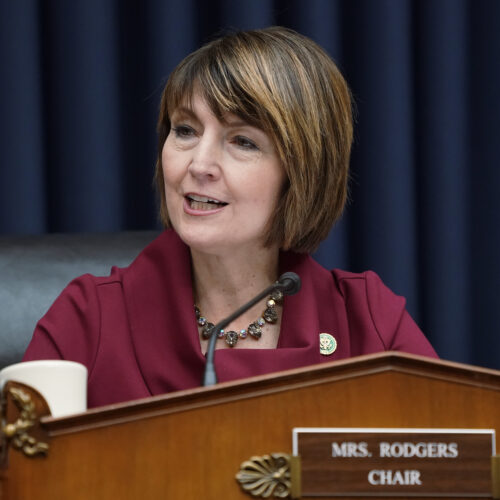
x=224, y=283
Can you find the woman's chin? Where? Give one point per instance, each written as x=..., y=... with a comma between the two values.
x=217, y=243
x=204, y=242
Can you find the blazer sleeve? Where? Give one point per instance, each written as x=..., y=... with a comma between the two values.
x=394, y=325
x=71, y=327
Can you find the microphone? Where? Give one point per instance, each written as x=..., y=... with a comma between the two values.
x=288, y=284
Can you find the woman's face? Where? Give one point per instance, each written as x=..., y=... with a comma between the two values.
x=222, y=179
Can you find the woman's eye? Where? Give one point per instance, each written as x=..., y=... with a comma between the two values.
x=183, y=131
x=244, y=142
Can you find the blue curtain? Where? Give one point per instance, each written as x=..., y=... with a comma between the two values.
x=79, y=93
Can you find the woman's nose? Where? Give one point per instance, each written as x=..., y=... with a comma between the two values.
x=206, y=158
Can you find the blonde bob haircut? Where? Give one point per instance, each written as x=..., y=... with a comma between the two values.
x=286, y=85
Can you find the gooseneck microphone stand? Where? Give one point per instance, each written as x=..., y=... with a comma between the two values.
x=288, y=284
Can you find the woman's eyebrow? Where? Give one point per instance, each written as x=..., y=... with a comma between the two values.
x=238, y=123
x=230, y=121
x=235, y=121
x=184, y=111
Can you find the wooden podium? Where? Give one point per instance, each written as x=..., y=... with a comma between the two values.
x=190, y=444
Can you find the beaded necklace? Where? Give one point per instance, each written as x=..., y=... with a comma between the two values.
x=254, y=329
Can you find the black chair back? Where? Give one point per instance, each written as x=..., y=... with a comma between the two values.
x=35, y=269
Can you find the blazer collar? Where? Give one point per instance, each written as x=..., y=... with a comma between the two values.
x=159, y=297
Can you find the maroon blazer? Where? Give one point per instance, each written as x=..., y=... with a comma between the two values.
x=136, y=331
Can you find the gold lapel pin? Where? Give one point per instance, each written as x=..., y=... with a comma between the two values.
x=327, y=344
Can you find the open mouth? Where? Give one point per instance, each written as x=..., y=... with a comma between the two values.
x=204, y=203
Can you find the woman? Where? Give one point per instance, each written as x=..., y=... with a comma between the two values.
x=255, y=132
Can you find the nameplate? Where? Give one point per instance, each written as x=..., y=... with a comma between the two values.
x=395, y=462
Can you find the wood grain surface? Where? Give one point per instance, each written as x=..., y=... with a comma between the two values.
x=190, y=444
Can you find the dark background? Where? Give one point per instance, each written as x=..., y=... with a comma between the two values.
x=79, y=91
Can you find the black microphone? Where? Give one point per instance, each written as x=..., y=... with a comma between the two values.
x=288, y=284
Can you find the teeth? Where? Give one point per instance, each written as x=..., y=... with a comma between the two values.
x=198, y=205
x=203, y=199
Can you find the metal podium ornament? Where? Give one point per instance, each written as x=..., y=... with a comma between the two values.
x=275, y=475
x=17, y=432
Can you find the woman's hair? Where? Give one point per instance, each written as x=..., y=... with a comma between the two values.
x=285, y=84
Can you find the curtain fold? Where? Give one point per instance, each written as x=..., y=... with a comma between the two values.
x=484, y=179
x=23, y=182
x=82, y=116
x=441, y=126
x=379, y=67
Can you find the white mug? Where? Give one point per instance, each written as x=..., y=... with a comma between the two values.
x=63, y=384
